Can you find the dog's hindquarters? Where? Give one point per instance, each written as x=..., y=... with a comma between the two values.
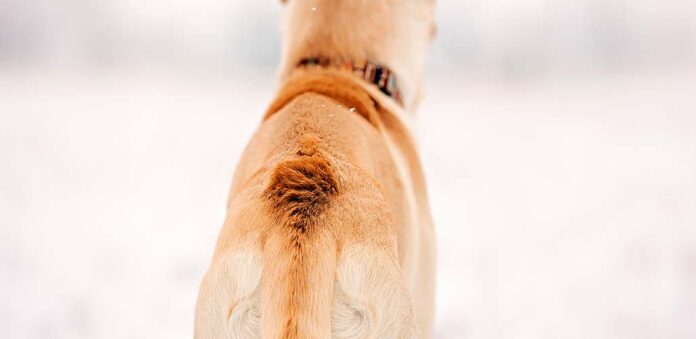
x=310, y=287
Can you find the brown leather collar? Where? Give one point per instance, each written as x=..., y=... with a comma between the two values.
x=373, y=73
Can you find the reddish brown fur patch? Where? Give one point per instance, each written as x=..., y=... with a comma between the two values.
x=301, y=187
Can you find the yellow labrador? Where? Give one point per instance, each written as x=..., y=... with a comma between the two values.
x=328, y=232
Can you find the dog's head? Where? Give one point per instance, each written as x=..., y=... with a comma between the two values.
x=395, y=33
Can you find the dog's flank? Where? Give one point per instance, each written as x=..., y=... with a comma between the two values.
x=298, y=275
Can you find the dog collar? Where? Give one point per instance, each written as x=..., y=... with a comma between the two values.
x=373, y=73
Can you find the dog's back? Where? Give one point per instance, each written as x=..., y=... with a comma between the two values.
x=308, y=249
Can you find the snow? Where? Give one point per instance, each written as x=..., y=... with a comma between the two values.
x=563, y=209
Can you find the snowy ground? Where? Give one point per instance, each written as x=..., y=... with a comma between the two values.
x=564, y=209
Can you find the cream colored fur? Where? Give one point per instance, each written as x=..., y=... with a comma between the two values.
x=328, y=232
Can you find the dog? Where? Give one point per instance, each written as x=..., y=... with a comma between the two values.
x=328, y=232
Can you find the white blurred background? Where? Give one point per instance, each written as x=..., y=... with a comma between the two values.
x=558, y=136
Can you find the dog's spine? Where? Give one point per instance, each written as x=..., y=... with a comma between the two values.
x=299, y=253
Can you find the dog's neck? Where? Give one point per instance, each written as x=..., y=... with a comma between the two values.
x=381, y=77
x=392, y=33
